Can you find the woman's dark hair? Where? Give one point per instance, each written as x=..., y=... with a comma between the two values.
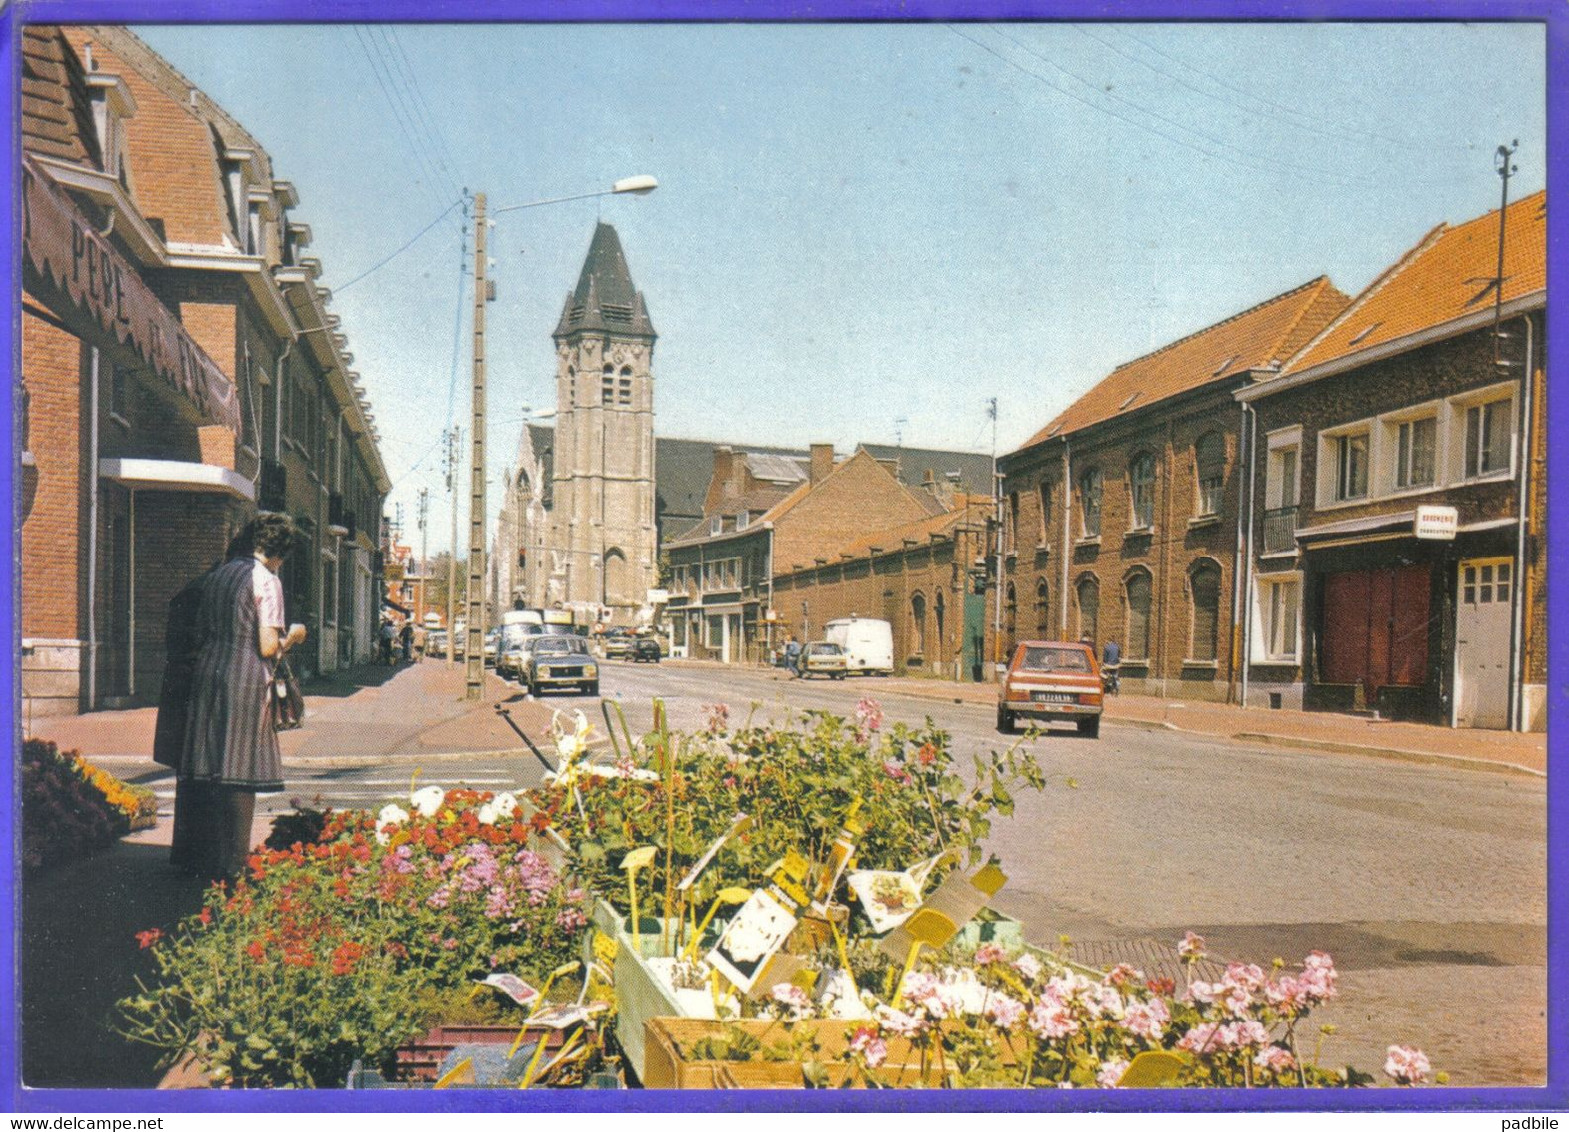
x=272, y=533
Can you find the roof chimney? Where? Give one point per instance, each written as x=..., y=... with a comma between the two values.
x=822, y=461
x=719, y=484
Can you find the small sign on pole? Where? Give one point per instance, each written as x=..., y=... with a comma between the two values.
x=1433, y=522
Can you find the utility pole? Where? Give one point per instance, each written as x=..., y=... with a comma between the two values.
x=424, y=548
x=1503, y=159
x=454, y=444
x=474, y=656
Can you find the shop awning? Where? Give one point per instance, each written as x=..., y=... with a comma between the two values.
x=177, y=475
x=101, y=297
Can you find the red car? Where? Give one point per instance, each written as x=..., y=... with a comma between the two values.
x=1051, y=680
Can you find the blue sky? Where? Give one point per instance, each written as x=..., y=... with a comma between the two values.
x=862, y=232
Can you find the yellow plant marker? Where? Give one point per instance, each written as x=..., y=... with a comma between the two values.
x=723, y=896
x=413, y=779
x=564, y=969
x=930, y=927
x=605, y=947
x=844, y=953
x=460, y=1074
x=1152, y=1069
x=909, y=965
x=517, y=1041
x=533, y=1064
x=990, y=880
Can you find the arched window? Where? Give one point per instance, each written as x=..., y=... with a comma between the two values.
x=1011, y=539
x=1141, y=492
x=1010, y=622
x=918, y=625
x=1089, y=503
x=1088, y=594
x=607, y=386
x=624, y=387
x=939, y=609
x=1136, y=590
x=618, y=577
x=1204, y=592
x=1042, y=610
x=1209, y=459
x=1045, y=492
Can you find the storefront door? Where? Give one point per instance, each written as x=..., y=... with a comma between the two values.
x=1375, y=628
x=1482, y=642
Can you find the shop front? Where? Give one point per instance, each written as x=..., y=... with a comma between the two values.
x=1407, y=626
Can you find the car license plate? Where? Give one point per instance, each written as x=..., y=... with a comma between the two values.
x=1052, y=697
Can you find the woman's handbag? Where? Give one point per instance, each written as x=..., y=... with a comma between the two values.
x=285, y=701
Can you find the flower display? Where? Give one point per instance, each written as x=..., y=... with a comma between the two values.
x=363, y=924
x=70, y=807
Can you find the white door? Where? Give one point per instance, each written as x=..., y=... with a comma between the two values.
x=1482, y=642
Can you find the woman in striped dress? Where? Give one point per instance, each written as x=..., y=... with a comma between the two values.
x=230, y=751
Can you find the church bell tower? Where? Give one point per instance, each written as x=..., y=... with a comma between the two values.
x=602, y=535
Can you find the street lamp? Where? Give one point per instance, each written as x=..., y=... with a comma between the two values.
x=474, y=657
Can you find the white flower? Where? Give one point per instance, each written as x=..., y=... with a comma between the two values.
x=486, y=814
x=570, y=747
x=506, y=804
x=391, y=814
x=428, y=800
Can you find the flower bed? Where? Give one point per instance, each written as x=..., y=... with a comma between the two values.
x=353, y=934
x=353, y=945
x=71, y=808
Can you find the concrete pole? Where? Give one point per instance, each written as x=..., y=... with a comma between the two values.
x=474, y=654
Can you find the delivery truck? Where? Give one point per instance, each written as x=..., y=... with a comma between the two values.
x=867, y=643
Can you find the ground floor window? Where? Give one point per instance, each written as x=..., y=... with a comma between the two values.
x=1138, y=595
x=715, y=632
x=1279, y=600
x=1204, y=587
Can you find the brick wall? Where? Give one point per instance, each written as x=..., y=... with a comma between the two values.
x=884, y=587
x=54, y=509
x=859, y=496
x=1180, y=540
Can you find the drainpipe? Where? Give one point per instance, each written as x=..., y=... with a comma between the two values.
x=1244, y=586
x=1518, y=721
x=92, y=538
x=277, y=404
x=131, y=579
x=1238, y=644
x=1067, y=528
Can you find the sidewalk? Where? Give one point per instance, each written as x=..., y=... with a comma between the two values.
x=1505, y=751
x=76, y=935
x=360, y=716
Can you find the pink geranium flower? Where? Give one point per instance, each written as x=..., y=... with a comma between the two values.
x=1407, y=1065
x=1191, y=946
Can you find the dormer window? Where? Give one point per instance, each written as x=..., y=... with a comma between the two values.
x=237, y=180
x=112, y=105
x=716, y=524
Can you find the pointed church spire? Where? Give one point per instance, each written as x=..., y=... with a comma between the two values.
x=605, y=298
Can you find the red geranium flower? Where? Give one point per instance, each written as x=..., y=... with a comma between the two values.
x=149, y=937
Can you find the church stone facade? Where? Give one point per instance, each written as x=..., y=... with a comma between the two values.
x=579, y=531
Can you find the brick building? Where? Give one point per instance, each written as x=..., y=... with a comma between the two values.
x=723, y=571
x=1397, y=561
x=179, y=369
x=926, y=578
x=1120, y=517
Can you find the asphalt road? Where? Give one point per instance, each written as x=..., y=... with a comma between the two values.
x=1426, y=884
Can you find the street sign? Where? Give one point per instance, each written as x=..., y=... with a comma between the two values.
x=1434, y=522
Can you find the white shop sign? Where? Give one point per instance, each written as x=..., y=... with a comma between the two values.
x=1437, y=522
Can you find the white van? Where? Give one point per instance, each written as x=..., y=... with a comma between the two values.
x=867, y=643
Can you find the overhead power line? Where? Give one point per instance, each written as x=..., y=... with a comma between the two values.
x=412, y=240
x=1270, y=164
x=427, y=173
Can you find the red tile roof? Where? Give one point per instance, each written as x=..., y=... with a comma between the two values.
x=966, y=508
x=1446, y=276
x=1260, y=336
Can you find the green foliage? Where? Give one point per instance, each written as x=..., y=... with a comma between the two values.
x=349, y=946
x=797, y=783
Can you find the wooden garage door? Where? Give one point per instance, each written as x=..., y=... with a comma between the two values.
x=1375, y=627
